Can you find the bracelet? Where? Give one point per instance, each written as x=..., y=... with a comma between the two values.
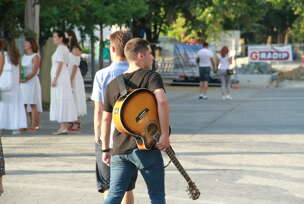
x=106, y=150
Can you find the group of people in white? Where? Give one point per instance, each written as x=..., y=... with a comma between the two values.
x=20, y=89
x=68, y=100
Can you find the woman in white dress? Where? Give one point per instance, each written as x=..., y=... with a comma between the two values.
x=223, y=67
x=76, y=79
x=62, y=107
x=30, y=84
x=12, y=112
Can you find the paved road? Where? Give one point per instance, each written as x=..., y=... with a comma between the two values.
x=249, y=150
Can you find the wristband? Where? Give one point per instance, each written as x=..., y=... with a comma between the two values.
x=106, y=150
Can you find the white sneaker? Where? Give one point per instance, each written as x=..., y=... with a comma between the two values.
x=229, y=97
x=224, y=98
x=205, y=97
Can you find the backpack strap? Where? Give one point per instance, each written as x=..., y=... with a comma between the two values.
x=122, y=85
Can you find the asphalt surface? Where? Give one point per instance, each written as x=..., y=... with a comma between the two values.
x=244, y=151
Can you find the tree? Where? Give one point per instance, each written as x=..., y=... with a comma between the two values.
x=107, y=13
x=31, y=17
x=257, y=20
x=11, y=17
x=213, y=16
x=87, y=16
x=298, y=25
x=160, y=14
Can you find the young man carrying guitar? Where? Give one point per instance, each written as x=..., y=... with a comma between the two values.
x=126, y=158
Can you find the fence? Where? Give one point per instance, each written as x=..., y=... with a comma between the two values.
x=273, y=58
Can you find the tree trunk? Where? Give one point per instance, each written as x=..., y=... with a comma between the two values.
x=148, y=34
x=31, y=17
x=45, y=79
x=286, y=36
x=101, y=46
x=93, y=70
x=269, y=40
x=280, y=37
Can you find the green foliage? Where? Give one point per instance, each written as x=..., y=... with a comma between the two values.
x=86, y=15
x=215, y=16
x=198, y=19
x=181, y=31
x=11, y=17
x=257, y=19
x=298, y=26
x=158, y=18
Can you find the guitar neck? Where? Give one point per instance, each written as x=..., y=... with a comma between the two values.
x=178, y=165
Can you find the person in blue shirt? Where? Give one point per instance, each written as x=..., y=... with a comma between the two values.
x=102, y=78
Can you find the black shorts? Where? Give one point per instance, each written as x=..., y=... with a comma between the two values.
x=103, y=173
x=204, y=73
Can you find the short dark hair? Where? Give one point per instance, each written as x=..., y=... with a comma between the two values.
x=205, y=44
x=119, y=40
x=135, y=46
x=33, y=43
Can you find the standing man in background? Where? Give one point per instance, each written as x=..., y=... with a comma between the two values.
x=103, y=77
x=204, y=59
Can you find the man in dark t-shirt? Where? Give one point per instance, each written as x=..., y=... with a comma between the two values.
x=126, y=158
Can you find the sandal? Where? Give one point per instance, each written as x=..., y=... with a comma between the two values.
x=75, y=126
x=33, y=129
x=70, y=127
x=37, y=128
x=61, y=132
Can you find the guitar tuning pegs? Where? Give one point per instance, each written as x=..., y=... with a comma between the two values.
x=193, y=192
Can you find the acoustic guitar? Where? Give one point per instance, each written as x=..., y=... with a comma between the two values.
x=136, y=114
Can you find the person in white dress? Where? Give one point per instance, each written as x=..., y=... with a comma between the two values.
x=223, y=67
x=12, y=112
x=30, y=84
x=62, y=107
x=76, y=79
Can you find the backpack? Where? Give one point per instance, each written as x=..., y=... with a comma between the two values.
x=83, y=66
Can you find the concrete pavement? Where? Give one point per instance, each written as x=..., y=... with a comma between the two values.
x=244, y=151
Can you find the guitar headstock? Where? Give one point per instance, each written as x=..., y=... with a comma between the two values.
x=193, y=191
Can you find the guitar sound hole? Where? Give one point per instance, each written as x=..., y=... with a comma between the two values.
x=152, y=129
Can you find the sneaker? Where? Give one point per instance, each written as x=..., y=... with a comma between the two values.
x=200, y=97
x=205, y=97
x=229, y=97
x=224, y=98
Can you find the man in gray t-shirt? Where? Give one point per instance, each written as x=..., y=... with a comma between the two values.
x=204, y=59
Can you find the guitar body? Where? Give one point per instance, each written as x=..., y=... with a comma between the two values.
x=136, y=115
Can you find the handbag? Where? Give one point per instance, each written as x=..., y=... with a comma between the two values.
x=6, y=78
x=230, y=71
x=83, y=66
